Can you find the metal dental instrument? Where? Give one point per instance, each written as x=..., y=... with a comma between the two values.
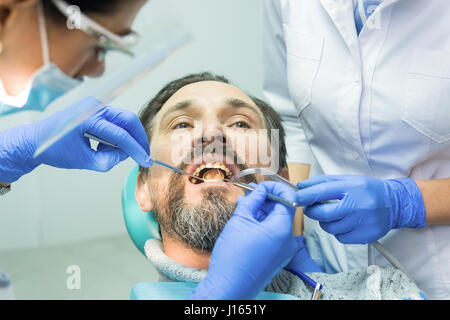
x=377, y=245
x=263, y=172
x=239, y=184
x=269, y=195
x=313, y=284
x=272, y=175
x=90, y=136
x=163, y=164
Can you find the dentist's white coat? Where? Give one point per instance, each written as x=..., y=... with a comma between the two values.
x=377, y=105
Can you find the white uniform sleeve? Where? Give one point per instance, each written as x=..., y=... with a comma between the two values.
x=275, y=83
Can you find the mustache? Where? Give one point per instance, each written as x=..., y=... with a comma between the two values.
x=199, y=225
x=224, y=153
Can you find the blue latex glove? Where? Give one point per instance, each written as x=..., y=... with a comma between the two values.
x=73, y=151
x=368, y=207
x=255, y=244
x=302, y=261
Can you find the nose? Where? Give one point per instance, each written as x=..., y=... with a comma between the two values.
x=208, y=134
x=211, y=137
x=94, y=67
x=98, y=69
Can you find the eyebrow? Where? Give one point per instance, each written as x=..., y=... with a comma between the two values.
x=238, y=103
x=177, y=107
x=234, y=102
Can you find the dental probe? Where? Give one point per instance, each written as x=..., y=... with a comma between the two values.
x=163, y=164
x=269, y=195
x=90, y=136
x=239, y=184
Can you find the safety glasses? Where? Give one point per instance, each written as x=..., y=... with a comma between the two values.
x=107, y=40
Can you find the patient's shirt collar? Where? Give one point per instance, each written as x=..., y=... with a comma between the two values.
x=168, y=269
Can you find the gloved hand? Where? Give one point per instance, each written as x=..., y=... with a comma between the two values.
x=73, y=151
x=255, y=244
x=302, y=261
x=368, y=207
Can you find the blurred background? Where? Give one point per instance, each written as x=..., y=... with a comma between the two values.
x=53, y=219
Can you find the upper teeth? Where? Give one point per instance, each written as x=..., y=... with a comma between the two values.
x=212, y=166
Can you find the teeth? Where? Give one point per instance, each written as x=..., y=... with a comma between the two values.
x=212, y=165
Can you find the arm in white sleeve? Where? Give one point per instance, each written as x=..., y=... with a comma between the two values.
x=275, y=82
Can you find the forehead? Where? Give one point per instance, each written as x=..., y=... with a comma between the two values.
x=209, y=94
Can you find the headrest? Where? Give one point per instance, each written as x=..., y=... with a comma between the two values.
x=141, y=225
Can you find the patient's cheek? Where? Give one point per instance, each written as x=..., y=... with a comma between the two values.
x=192, y=196
x=253, y=147
x=159, y=193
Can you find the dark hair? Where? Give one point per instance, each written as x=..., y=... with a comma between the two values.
x=150, y=109
x=86, y=6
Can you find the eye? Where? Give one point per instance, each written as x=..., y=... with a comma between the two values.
x=241, y=125
x=183, y=125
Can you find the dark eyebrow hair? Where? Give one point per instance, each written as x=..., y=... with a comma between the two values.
x=153, y=107
x=238, y=103
x=177, y=107
x=180, y=106
x=234, y=102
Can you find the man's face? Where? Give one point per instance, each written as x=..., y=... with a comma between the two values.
x=212, y=130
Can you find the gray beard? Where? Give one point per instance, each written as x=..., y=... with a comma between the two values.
x=196, y=226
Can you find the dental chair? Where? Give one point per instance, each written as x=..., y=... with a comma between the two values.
x=142, y=226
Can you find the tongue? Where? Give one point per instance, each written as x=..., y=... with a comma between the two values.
x=213, y=175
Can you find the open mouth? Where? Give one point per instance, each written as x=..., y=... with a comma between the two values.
x=211, y=172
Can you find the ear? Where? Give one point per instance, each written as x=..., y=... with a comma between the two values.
x=142, y=193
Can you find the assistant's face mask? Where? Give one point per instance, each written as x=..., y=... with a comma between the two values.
x=45, y=85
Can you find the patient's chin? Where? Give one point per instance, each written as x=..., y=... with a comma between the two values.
x=199, y=225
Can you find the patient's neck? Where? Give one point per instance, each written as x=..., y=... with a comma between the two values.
x=180, y=253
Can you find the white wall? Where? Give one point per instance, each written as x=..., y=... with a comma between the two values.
x=52, y=206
